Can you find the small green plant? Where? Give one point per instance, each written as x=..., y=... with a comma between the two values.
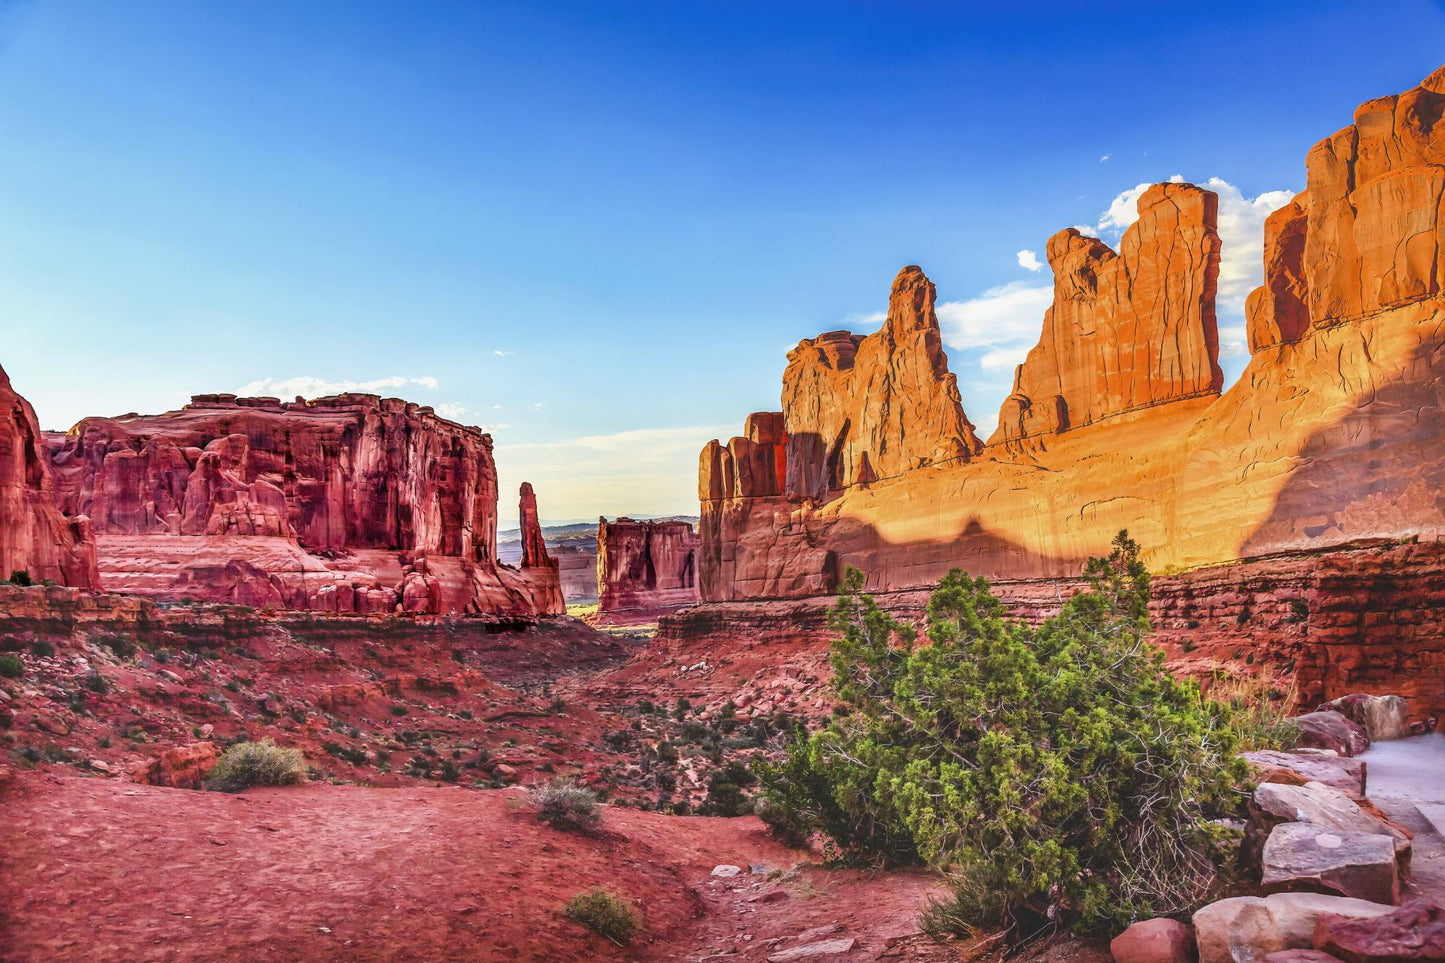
x=564, y=805
x=96, y=682
x=604, y=913
x=257, y=764
x=20, y=576
x=11, y=666
x=41, y=649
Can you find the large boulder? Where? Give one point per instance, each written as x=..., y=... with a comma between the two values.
x=1298, y=856
x=1415, y=931
x=1383, y=717
x=184, y=767
x=1328, y=729
x=1309, y=765
x=1328, y=808
x=1160, y=940
x=1250, y=927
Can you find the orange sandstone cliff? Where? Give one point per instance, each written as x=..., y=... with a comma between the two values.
x=346, y=504
x=1334, y=437
x=34, y=536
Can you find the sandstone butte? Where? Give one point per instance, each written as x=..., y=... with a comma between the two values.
x=1333, y=438
x=34, y=536
x=347, y=504
x=644, y=568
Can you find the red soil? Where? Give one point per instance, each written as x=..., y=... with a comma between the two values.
x=100, y=869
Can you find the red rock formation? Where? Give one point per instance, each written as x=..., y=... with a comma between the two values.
x=1127, y=330
x=343, y=504
x=645, y=568
x=857, y=409
x=34, y=536
x=1333, y=438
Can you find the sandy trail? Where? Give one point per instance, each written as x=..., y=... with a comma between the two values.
x=1403, y=775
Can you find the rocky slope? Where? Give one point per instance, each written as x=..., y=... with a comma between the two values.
x=35, y=537
x=351, y=503
x=1334, y=436
x=644, y=568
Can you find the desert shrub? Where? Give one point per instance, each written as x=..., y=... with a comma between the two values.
x=562, y=804
x=11, y=666
x=603, y=913
x=1058, y=775
x=257, y=764
x=96, y=682
x=725, y=791
x=20, y=576
x=42, y=649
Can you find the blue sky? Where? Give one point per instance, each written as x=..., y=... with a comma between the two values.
x=596, y=227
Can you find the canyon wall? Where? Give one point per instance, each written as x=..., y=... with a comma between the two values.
x=346, y=504
x=644, y=568
x=1333, y=437
x=35, y=537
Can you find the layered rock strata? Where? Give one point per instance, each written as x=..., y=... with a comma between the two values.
x=351, y=503
x=35, y=537
x=645, y=568
x=1333, y=438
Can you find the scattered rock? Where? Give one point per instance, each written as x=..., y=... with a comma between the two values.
x=821, y=950
x=1327, y=808
x=725, y=871
x=1154, y=941
x=1301, y=856
x=1415, y=931
x=1383, y=717
x=1249, y=927
x=1301, y=956
x=1328, y=729
x=184, y=767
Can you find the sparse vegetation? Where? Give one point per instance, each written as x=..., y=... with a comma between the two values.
x=1262, y=703
x=604, y=913
x=11, y=666
x=20, y=576
x=1058, y=775
x=257, y=764
x=562, y=804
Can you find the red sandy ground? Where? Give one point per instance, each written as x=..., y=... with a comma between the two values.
x=99, y=869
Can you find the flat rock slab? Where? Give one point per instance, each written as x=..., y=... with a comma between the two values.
x=822, y=950
x=1434, y=814
x=1299, y=856
x=1328, y=808
x=1314, y=765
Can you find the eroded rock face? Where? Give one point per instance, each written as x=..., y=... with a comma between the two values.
x=1128, y=330
x=645, y=567
x=34, y=536
x=351, y=503
x=857, y=409
x=1332, y=440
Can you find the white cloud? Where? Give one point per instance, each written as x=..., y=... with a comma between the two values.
x=1233, y=341
x=1029, y=260
x=860, y=322
x=500, y=353
x=1004, y=358
x=1004, y=315
x=1105, y=158
x=1241, y=234
x=309, y=386
x=452, y=410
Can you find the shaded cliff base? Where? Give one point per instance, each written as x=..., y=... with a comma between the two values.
x=1368, y=617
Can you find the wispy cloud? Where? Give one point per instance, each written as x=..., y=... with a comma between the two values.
x=1105, y=158
x=1029, y=260
x=309, y=386
x=1005, y=315
x=501, y=354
